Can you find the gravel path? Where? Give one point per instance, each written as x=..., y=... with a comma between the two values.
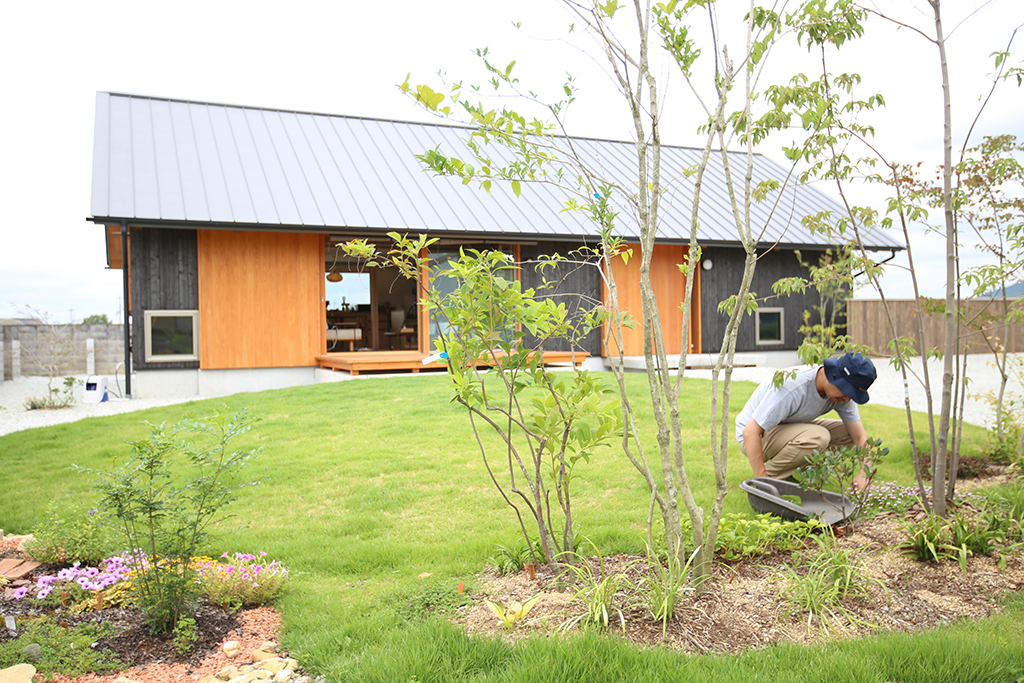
x=887, y=390
x=14, y=393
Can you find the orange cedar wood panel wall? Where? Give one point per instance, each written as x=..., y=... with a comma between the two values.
x=669, y=287
x=260, y=299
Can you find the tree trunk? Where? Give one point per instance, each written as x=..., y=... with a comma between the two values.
x=939, y=458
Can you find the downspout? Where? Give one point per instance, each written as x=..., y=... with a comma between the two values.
x=127, y=310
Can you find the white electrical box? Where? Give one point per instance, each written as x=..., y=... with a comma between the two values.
x=95, y=389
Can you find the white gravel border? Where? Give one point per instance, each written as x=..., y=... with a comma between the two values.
x=887, y=390
x=14, y=417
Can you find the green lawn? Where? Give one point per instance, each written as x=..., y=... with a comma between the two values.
x=367, y=484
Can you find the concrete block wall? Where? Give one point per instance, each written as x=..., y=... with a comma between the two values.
x=22, y=343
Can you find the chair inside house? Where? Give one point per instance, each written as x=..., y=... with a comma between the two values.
x=341, y=333
x=403, y=329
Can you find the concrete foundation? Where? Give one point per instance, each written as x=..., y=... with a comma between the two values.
x=207, y=383
x=769, y=359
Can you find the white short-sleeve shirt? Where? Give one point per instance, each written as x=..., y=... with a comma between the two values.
x=796, y=402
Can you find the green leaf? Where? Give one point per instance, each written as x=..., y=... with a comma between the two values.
x=516, y=188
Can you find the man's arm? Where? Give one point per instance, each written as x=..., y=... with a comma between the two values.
x=860, y=438
x=754, y=447
x=857, y=433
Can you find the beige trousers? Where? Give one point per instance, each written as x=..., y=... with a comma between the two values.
x=787, y=446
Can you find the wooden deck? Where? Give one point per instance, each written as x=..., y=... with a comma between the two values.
x=366, y=361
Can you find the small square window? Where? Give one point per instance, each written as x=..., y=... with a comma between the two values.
x=172, y=336
x=770, y=324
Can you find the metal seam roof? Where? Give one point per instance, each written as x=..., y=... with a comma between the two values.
x=160, y=161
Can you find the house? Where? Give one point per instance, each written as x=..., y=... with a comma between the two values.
x=225, y=220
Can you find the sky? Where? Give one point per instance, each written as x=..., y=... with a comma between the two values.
x=346, y=57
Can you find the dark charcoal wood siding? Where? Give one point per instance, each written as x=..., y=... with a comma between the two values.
x=723, y=281
x=164, y=276
x=578, y=286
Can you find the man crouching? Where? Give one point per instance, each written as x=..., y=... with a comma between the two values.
x=779, y=428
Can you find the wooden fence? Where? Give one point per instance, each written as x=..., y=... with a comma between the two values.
x=868, y=324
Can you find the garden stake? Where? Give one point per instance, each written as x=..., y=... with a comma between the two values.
x=532, y=569
x=460, y=586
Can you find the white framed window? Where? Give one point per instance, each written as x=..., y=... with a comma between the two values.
x=171, y=336
x=770, y=324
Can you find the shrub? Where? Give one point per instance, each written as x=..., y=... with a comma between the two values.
x=927, y=540
x=512, y=559
x=746, y=535
x=661, y=584
x=598, y=590
x=55, y=397
x=833, y=574
x=66, y=651
x=165, y=515
x=70, y=536
x=840, y=466
x=1005, y=436
x=185, y=635
x=246, y=580
x=1008, y=499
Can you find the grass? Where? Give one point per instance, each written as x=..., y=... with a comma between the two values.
x=368, y=484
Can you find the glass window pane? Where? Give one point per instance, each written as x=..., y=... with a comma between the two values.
x=770, y=326
x=172, y=335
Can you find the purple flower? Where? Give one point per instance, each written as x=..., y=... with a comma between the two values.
x=19, y=593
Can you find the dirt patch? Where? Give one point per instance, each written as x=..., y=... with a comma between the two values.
x=745, y=607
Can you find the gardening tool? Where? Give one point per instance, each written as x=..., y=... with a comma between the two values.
x=766, y=495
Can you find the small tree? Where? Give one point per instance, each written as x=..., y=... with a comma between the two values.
x=548, y=423
x=538, y=155
x=829, y=154
x=988, y=199
x=833, y=278
x=53, y=352
x=96, y=319
x=164, y=517
x=836, y=468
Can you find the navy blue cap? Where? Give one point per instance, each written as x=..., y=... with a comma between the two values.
x=853, y=374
